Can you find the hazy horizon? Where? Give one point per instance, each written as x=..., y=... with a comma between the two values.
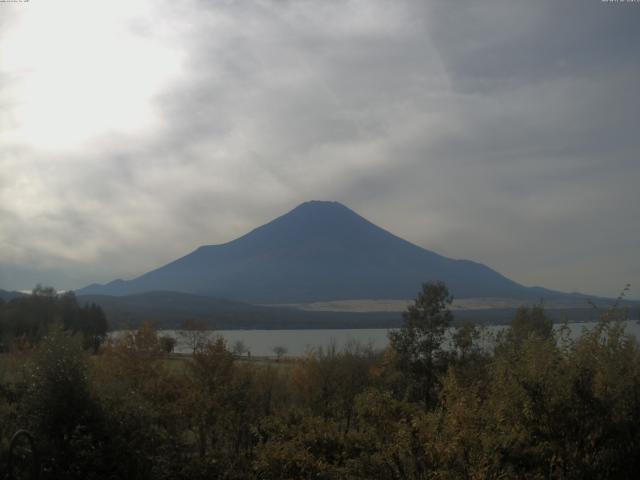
x=505, y=133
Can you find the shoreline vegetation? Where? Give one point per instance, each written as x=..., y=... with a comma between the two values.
x=259, y=343
x=538, y=404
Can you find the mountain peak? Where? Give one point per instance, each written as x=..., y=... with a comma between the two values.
x=320, y=250
x=320, y=204
x=321, y=207
x=315, y=219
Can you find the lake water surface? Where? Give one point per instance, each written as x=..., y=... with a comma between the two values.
x=297, y=342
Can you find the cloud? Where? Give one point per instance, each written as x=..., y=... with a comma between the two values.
x=504, y=133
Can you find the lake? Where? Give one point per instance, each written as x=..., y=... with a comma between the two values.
x=297, y=342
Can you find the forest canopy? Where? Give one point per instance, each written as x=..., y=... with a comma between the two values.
x=529, y=403
x=26, y=319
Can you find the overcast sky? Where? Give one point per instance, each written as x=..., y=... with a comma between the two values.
x=505, y=132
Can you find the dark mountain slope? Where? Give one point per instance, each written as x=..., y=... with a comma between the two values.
x=171, y=309
x=10, y=295
x=318, y=251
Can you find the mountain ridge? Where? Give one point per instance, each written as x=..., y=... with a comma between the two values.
x=7, y=295
x=318, y=251
x=172, y=309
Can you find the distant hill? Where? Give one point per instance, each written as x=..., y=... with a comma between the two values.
x=7, y=295
x=171, y=309
x=319, y=251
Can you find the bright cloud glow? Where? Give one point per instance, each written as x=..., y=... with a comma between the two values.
x=82, y=69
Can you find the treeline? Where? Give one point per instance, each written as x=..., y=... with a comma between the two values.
x=26, y=319
x=529, y=404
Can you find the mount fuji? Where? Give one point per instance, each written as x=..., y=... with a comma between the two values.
x=319, y=251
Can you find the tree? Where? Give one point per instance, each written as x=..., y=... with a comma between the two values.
x=58, y=403
x=530, y=321
x=279, y=350
x=167, y=343
x=194, y=333
x=95, y=327
x=465, y=338
x=418, y=342
x=327, y=380
x=212, y=370
x=239, y=348
x=29, y=318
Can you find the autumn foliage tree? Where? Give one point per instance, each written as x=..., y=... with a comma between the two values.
x=419, y=353
x=534, y=402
